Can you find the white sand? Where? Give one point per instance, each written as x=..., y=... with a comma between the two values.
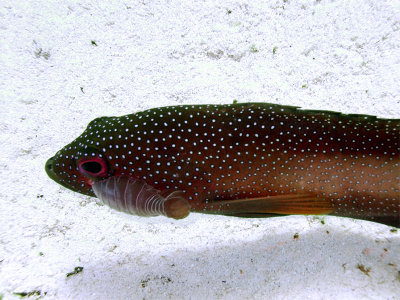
x=336, y=55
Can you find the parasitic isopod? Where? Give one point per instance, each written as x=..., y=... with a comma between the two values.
x=138, y=198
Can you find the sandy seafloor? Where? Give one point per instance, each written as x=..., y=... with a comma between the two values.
x=332, y=55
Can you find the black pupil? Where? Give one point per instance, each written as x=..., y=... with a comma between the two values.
x=92, y=167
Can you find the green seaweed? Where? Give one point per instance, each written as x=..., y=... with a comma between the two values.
x=253, y=48
x=75, y=271
x=27, y=294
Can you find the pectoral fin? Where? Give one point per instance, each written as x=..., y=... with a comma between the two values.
x=298, y=204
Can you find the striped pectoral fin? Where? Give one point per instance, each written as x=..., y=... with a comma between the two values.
x=136, y=197
x=299, y=204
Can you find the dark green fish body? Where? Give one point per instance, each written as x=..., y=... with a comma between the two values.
x=251, y=159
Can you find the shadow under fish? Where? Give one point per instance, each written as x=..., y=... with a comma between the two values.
x=244, y=159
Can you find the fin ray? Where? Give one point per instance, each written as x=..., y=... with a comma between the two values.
x=294, y=204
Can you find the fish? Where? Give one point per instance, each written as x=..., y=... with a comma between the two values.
x=240, y=159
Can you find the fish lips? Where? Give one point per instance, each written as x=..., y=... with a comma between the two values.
x=49, y=169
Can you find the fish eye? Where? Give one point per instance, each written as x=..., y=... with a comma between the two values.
x=93, y=167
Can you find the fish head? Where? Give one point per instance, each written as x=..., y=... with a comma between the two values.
x=87, y=159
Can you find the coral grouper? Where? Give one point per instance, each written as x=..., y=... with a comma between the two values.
x=245, y=159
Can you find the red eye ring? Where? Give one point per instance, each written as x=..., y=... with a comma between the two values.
x=93, y=166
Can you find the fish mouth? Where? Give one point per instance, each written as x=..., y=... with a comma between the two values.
x=49, y=170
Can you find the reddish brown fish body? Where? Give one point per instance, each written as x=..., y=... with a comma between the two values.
x=251, y=159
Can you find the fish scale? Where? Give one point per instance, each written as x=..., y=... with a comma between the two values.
x=245, y=159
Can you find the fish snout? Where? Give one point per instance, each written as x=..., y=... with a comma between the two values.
x=49, y=169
